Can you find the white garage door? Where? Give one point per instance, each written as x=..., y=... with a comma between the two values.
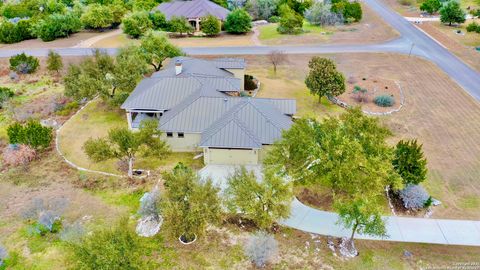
x=231, y=156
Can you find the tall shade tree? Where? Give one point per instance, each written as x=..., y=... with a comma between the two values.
x=124, y=144
x=409, y=162
x=54, y=61
x=157, y=48
x=431, y=6
x=238, y=22
x=452, y=12
x=261, y=201
x=189, y=204
x=324, y=79
x=136, y=24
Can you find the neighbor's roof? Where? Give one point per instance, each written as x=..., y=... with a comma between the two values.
x=191, y=9
x=224, y=122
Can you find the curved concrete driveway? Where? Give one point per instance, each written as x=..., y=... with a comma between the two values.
x=399, y=229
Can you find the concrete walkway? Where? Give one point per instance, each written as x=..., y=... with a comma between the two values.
x=399, y=229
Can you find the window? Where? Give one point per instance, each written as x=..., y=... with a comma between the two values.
x=181, y=135
x=169, y=134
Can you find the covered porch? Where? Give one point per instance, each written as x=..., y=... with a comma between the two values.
x=135, y=117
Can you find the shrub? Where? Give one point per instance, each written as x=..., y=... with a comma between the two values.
x=57, y=26
x=238, y=22
x=68, y=108
x=46, y=216
x=5, y=94
x=116, y=247
x=23, y=63
x=384, y=101
x=261, y=248
x=32, y=134
x=290, y=21
x=158, y=20
x=409, y=162
x=249, y=82
x=136, y=24
x=97, y=16
x=262, y=9
x=15, y=32
x=473, y=27
x=351, y=11
x=54, y=61
x=274, y=19
x=18, y=155
x=118, y=11
x=180, y=25
x=321, y=14
x=414, y=197
x=431, y=6
x=211, y=26
x=360, y=94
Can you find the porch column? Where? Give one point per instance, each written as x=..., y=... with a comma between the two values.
x=129, y=119
x=197, y=24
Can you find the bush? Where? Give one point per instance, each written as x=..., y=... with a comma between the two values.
x=57, y=26
x=321, y=14
x=473, y=27
x=262, y=9
x=414, y=197
x=97, y=16
x=5, y=94
x=351, y=11
x=249, y=82
x=409, y=162
x=290, y=21
x=136, y=24
x=54, y=61
x=113, y=248
x=431, y=6
x=384, y=101
x=15, y=32
x=68, y=108
x=238, y=22
x=18, y=155
x=261, y=248
x=118, y=11
x=158, y=20
x=360, y=94
x=211, y=26
x=23, y=63
x=180, y=25
x=46, y=216
x=274, y=19
x=32, y=134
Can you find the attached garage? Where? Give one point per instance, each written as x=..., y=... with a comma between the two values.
x=230, y=156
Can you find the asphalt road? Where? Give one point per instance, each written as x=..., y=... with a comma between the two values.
x=423, y=46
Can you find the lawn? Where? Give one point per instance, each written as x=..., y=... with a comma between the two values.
x=270, y=35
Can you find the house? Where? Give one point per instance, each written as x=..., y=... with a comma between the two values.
x=199, y=108
x=192, y=10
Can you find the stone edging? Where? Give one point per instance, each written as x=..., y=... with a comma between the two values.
x=68, y=161
x=345, y=105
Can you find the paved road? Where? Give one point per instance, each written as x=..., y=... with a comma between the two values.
x=399, y=229
x=424, y=47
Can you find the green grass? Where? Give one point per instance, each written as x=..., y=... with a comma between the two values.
x=269, y=31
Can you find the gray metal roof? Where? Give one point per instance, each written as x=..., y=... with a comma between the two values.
x=231, y=135
x=193, y=66
x=192, y=9
x=230, y=63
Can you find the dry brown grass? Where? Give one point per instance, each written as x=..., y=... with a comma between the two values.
x=437, y=112
x=58, y=43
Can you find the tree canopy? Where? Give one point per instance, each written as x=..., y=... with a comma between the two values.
x=323, y=79
x=451, y=12
x=409, y=162
x=156, y=48
x=238, y=22
x=97, y=16
x=211, y=26
x=136, y=24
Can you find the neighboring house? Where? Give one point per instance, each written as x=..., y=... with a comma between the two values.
x=193, y=10
x=198, y=108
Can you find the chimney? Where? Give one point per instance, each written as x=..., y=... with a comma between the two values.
x=178, y=67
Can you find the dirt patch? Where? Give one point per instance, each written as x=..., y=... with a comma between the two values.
x=320, y=199
x=374, y=87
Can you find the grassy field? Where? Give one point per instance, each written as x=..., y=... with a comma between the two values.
x=437, y=111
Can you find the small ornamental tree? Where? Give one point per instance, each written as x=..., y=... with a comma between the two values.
x=189, y=204
x=156, y=48
x=116, y=247
x=136, y=24
x=54, y=61
x=124, y=144
x=261, y=201
x=451, y=12
x=97, y=16
x=431, y=6
x=158, y=20
x=290, y=21
x=409, y=162
x=5, y=94
x=32, y=134
x=238, y=22
x=323, y=79
x=277, y=57
x=24, y=64
x=180, y=25
x=211, y=26
x=261, y=248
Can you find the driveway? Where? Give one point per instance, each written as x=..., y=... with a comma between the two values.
x=220, y=173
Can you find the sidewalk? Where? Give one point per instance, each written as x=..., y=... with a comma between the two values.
x=399, y=229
